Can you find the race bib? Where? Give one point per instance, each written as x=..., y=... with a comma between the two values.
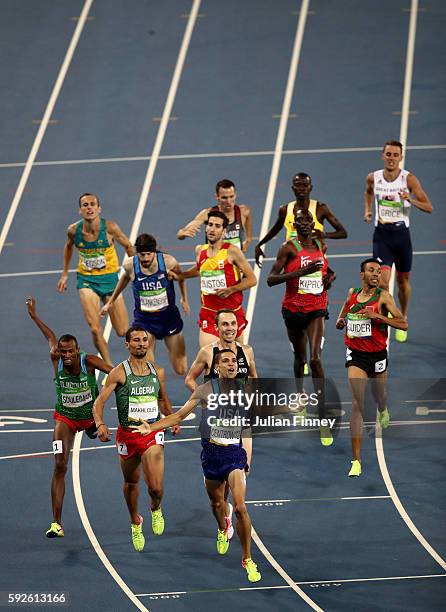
x=152, y=301
x=236, y=241
x=358, y=326
x=75, y=400
x=122, y=448
x=390, y=212
x=143, y=408
x=380, y=366
x=311, y=283
x=93, y=262
x=225, y=434
x=212, y=280
x=159, y=437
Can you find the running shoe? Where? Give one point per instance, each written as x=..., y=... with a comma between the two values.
x=300, y=415
x=157, y=522
x=400, y=335
x=326, y=436
x=138, y=538
x=251, y=569
x=55, y=531
x=355, y=470
x=384, y=418
x=222, y=542
x=229, y=526
x=306, y=369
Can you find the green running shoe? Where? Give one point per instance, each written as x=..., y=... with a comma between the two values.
x=355, y=470
x=251, y=569
x=400, y=335
x=306, y=372
x=326, y=436
x=55, y=531
x=384, y=418
x=138, y=538
x=157, y=522
x=222, y=542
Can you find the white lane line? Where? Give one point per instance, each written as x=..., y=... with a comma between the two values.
x=288, y=501
x=265, y=222
x=44, y=124
x=378, y=437
x=109, y=160
x=251, y=260
x=284, y=586
x=133, y=234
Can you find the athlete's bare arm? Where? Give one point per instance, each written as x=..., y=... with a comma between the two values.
x=164, y=403
x=421, y=200
x=123, y=281
x=368, y=198
x=275, y=277
x=115, y=378
x=46, y=331
x=278, y=225
x=96, y=363
x=117, y=234
x=252, y=372
x=327, y=215
x=201, y=365
x=67, y=254
x=387, y=304
x=340, y=323
x=191, y=229
x=173, y=266
x=248, y=278
x=245, y=212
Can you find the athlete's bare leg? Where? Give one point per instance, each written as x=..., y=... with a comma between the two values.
x=240, y=338
x=153, y=466
x=91, y=306
x=404, y=291
x=298, y=340
x=237, y=483
x=177, y=352
x=204, y=338
x=216, y=491
x=315, y=333
x=131, y=470
x=385, y=277
x=64, y=433
x=357, y=379
x=118, y=315
x=379, y=390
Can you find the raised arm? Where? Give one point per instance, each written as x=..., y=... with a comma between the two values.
x=115, y=378
x=247, y=276
x=123, y=281
x=275, y=277
x=46, y=331
x=340, y=231
x=197, y=368
x=340, y=323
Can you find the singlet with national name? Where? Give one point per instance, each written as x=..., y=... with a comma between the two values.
x=222, y=422
x=137, y=398
x=75, y=394
x=389, y=205
x=152, y=292
x=234, y=232
x=289, y=219
x=305, y=293
x=361, y=332
x=217, y=273
x=97, y=257
x=242, y=363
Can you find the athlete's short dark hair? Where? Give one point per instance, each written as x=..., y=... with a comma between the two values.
x=223, y=311
x=369, y=260
x=301, y=175
x=224, y=184
x=219, y=215
x=222, y=352
x=68, y=338
x=134, y=328
x=88, y=194
x=145, y=243
x=393, y=143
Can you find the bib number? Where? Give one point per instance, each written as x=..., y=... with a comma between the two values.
x=358, y=327
x=311, y=283
x=390, y=212
x=211, y=281
x=159, y=437
x=380, y=366
x=122, y=448
x=94, y=263
x=147, y=410
x=153, y=301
